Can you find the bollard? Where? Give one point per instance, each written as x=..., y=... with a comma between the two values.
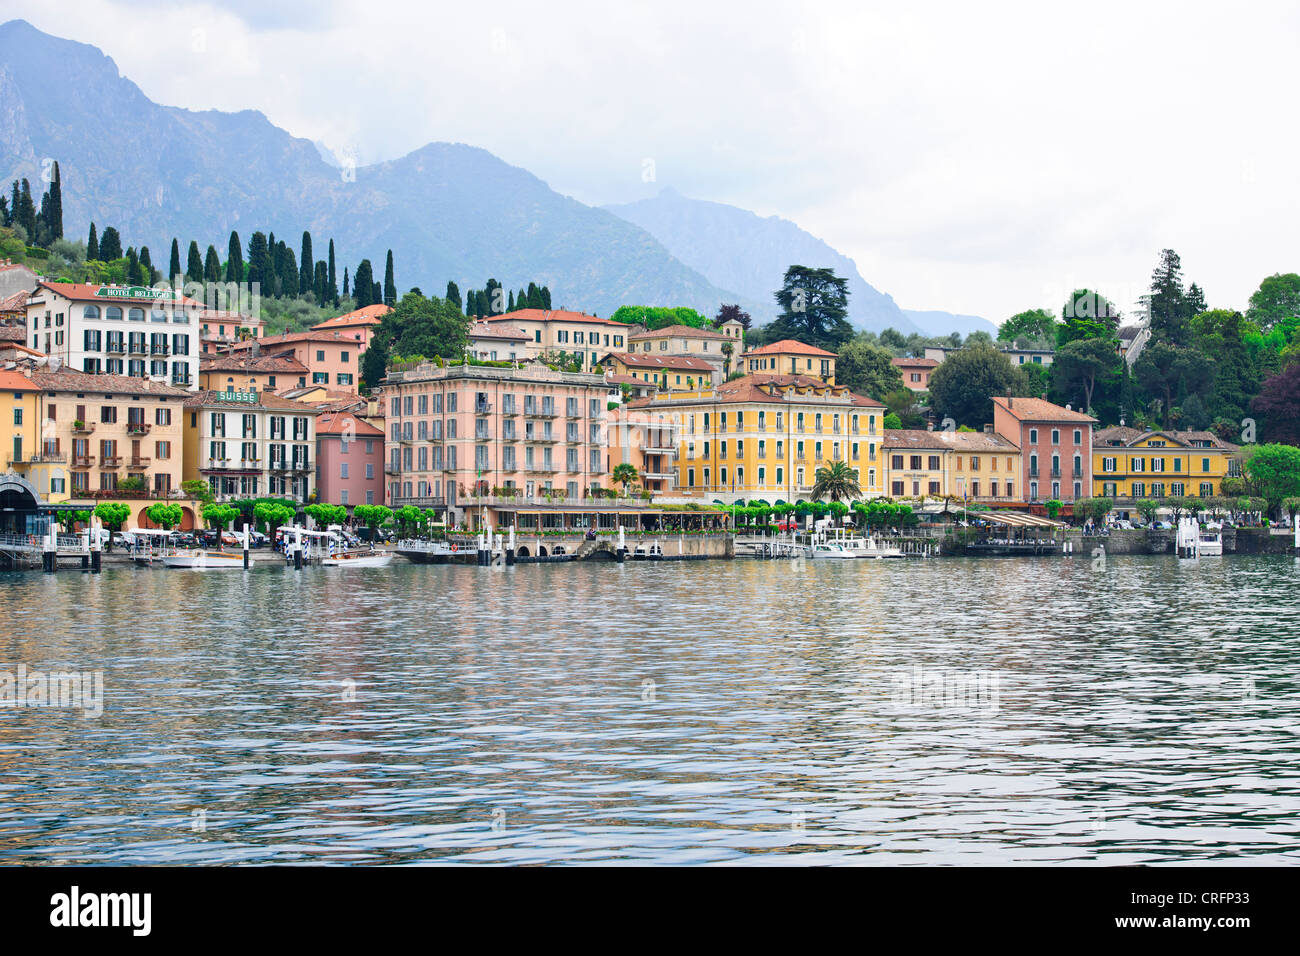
x=510, y=547
x=246, y=549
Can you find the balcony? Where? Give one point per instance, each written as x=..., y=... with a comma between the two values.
x=509, y=410
x=83, y=461
x=138, y=348
x=138, y=462
x=389, y=469
x=159, y=350
x=279, y=464
x=511, y=437
x=300, y=466
x=419, y=501
x=111, y=461
x=138, y=428
x=539, y=413
x=117, y=348
x=483, y=408
x=82, y=428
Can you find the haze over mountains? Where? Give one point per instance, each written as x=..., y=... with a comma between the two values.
x=448, y=211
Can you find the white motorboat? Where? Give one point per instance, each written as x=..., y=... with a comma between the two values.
x=1209, y=541
x=203, y=560
x=358, y=559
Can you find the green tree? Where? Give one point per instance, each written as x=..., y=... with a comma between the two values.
x=866, y=368
x=390, y=285
x=166, y=516
x=113, y=514
x=837, y=481
x=234, y=259
x=453, y=295
x=1168, y=304
x=1163, y=370
x=1087, y=315
x=1274, y=472
x=212, y=265
x=1079, y=366
x=1276, y=300
x=624, y=474
x=962, y=388
x=814, y=309
x=197, y=489
x=1034, y=327
x=272, y=515
x=363, y=285
x=218, y=516
x=306, y=267
x=110, y=245
x=372, y=516
x=92, y=243
x=1148, y=509
x=892, y=422
x=174, y=273
x=194, y=264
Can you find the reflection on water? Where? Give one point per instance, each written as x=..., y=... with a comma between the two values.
x=679, y=713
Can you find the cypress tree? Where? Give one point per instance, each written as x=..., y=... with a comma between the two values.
x=320, y=282
x=146, y=266
x=132, y=267
x=453, y=296
x=26, y=213
x=534, y=296
x=290, y=282
x=378, y=293
x=390, y=286
x=15, y=200
x=56, y=205
x=92, y=243
x=510, y=303
x=546, y=298
x=194, y=264
x=5, y=216
x=174, y=269
x=212, y=265
x=306, y=269
x=333, y=278
x=110, y=245
x=489, y=296
x=521, y=300
x=235, y=260
x=345, y=277
x=363, y=285
x=257, y=259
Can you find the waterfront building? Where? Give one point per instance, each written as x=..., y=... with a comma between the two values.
x=459, y=430
x=764, y=436
x=20, y=430
x=668, y=373
x=219, y=329
x=1132, y=463
x=1055, y=447
x=636, y=387
x=350, y=460
x=134, y=331
x=359, y=324
x=497, y=342
x=551, y=331
x=248, y=444
x=331, y=358
x=244, y=371
x=646, y=437
x=718, y=348
x=981, y=467
x=97, y=430
x=789, y=357
x=916, y=372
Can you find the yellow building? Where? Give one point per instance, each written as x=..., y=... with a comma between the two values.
x=670, y=373
x=1129, y=463
x=718, y=348
x=789, y=357
x=976, y=466
x=765, y=436
x=20, y=437
x=243, y=372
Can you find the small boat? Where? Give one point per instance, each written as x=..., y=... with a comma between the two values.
x=203, y=560
x=1209, y=541
x=358, y=559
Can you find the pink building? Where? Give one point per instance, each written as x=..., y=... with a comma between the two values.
x=332, y=358
x=1055, y=447
x=349, y=460
x=533, y=430
x=359, y=325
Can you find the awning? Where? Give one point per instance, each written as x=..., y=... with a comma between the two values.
x=1018, y=520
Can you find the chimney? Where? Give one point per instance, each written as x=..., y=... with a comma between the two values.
x=1011, y=402
x=988, y=429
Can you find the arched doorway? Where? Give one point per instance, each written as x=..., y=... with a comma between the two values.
x=19, y=505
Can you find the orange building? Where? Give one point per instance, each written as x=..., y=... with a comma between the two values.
x=331, y=358
x=359, y=324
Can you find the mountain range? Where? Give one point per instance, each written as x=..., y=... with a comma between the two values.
x=447, y=210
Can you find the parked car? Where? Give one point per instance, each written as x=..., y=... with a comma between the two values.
x=183, y=539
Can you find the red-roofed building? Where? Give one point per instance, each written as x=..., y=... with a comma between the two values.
x=349, y=460
x=1055, y=446
x=331, y=358
x=557, y=330
x=916, y=372
x=791, y=357
x=358, y=324
x=498, y=342
x=218, y=329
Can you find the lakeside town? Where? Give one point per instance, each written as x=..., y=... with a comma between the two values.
x=132, y=403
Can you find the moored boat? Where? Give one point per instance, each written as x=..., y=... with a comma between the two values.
x=203, y=560
x=358, y=559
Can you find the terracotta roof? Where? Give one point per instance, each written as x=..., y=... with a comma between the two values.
x=85, y=292
x=353, y=403
x=864, y=401
x=13, y=381
x=13, y=333
x=552, y=315
x=70, y=380
x=333, y=423
x=785, y=380
x=289, y=338
x=498, y=330
x=7, y=346
x=331, y=394
x=370, y=315
x=15, y=303
x=1039, y=410
x=912, y=438
x=790, y=347
x=976, y=441
x=252, y=363
x=613, y=378
x=1127, y=437
x=211, y=396
x=687, y=362
x=680, y=331
x=914, y=362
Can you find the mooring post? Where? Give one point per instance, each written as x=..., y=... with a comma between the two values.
x=510, y=547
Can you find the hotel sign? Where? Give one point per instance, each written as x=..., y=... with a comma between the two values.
x=135, y=292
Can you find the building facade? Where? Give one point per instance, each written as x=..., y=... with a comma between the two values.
x=1055, y=447
x=331, y=358
x=916, y=372
x=669, y=373
x=718, y=348
x=1130, y=464
x=244, y=372
x=980, y=467
x=250, y=444
x=497, y=342
x=550, y=331
x=350, y=460
x=218, y=330
x=765, y=436
x=458, y=430
x=359, y=324
x=789, y=357
x=133, y=331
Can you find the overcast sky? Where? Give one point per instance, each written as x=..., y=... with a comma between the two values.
x=976, y=158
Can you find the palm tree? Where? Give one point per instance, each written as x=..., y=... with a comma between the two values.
x=727, y=351
x=836, y=480
x=624, y=474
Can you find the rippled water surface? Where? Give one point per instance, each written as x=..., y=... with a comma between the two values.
x=703, y=712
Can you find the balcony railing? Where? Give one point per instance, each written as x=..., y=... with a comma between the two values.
x=83, y=461
x=138, y=462
x=117, y=348
x=111, y=461
x=483, y=408
x=159, y=350
x=84, y=429
x=419, y=501
x=138, y=348
x=138, y=428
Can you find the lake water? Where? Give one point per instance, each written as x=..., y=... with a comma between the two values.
x=943, y=711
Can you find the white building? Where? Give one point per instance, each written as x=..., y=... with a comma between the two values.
x=251, y=444
x=118, y=330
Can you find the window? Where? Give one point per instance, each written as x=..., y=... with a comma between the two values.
x=1078, y=437
x=1056, y=436
x=1033, y=436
